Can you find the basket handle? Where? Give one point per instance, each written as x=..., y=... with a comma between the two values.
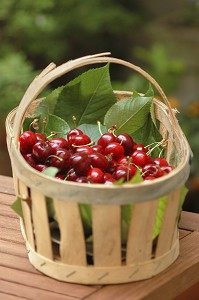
x=51, y=72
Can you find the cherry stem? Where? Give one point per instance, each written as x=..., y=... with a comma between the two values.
x=112, y=130
x=74, y=119
x=99, y=127
x=157, y=145
x=34, y=124
x=79, y=146
x=53, y=133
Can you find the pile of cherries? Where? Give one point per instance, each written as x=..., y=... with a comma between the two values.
x=78, y=159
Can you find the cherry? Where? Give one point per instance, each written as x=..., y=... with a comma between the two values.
x=160, y=162
x=106, y=139
x=98, y=160
x=167, y=169
x=125, y=160
x=107, y=176
x=110, y=180
x=41, y=150
x=115, y=150
x=86, y=149
x=27, y=140
x=140, y=147
x=111, y=166
x=29, y=159
x=124, y=171
x=82, y=179
x=98, y=148
x=81, y=163
x=78, y=140
x=57, y=143
x=126, y=141
x=139, y=158
x=61, y=159
x=71, y=175
x=40, y=167
x=152, y=170
x=40, y=136
x=95, y=175
x=73, y=132
x=61, y=176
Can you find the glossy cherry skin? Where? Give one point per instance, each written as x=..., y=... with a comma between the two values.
x=98, y=160
x=29, y=159
x=40, y=167
x=78, y=140
x=98, y=148
x=152, y=170
x=41, y=151
x=115, y=150
x=73, y=132
x=61, y=159
x=81, y=163
x=140, y=147
x=40, y=136
x=95, y=175
x=84, y=149
x=27, y=140
x=126, y=141
x=125, y=172
x=160, y=162
x=57, y=143
x=82, y=179
x=106, y=139
x=139, y=158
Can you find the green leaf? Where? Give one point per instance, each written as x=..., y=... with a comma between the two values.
x=93, y=131
x=87, y=97
x=160, y=215
x=86, y=215
x=16, y=206
x=129, y=114
x=137, y=178
x=55, y=123
x=126, y=213
x=50, y=171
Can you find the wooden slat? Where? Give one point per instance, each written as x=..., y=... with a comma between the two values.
x=7, y=199
x=169, y=222
x=10, y=223
x=9, y=297
x=106, y=223
x=72, y=248
x=139, y=246
x=182, y=274
x=13, y=248
x=27, y=215
x=41, y=225
x=11, y=235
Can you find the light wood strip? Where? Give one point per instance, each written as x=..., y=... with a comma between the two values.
x=106, y=222
x=27, y=216
x=189, y=221
x=139, y=246
x=72, y=248
x=6, y=185
x=10, y=297
x=13, y=248
x=169, y=222
x=41, y=225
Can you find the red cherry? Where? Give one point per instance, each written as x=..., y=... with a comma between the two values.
x=86, y=149
x=107, y=176
x=61, y=176
x=57, y=143
x=152, y=170
x=40, y=167
x=112, y=166
x=40, y=136
x=98, y=148
x=126, y=141
x=160, y=162
x=95, y=175
x=139, y=158
x=78, y=140
x=60, y=160
x=81, y=163
x=27, y=140
x=98, y=160
x=41, y=150
x=29, y=159
x=126, y=160
x=109, y=180
x=124, y=171
x=140, y=147
x=115, y=150
x=82, y=179
x=73, y=132
x=71, y=175
x=167, y=169
x=106, y=139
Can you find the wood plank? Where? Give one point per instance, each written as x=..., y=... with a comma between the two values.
x=17, y=262
x=72, y=235
x=11, y=223
x=106, y=221
x=43, y=283
x=181, y=275
x=6, y=185
x=4, y=296
x=8, y=211
x=13, y=248
x=189, y=221
x=7, y=199
x=183, y=233
x=29, y=292
x=11, y=235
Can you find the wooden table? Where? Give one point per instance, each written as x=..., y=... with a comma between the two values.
x=20, y=280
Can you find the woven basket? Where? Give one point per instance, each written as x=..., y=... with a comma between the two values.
x=68, y=260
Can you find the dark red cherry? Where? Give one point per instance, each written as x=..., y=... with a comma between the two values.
x=106, y=139
x=86, y=149
x=160, y=162
x=167, y=169
x=57, y=143
x=29, y=159
x=115, y=150
x=71, y=175
x=98, y=148
x=81, y=163
x=82, y=179
x=79, y=140
x=95, y=175
x=152, y=170
x=126, y=141
x=40, y=167
x=140, y=147
x=139, y=158
x=74, y=132
x=98, y=160
x=40, y=136
x=60, y=160
x=42, y=150
x=27, y=140
x=124, y=171
x=109, y=180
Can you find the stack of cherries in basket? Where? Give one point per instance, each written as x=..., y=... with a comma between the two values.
x=78, y=159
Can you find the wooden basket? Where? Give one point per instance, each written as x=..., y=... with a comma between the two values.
x=69, y=260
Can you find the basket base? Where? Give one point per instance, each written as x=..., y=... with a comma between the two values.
x=101, y=275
